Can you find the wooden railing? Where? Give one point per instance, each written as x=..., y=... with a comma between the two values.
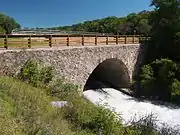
x=30, y=41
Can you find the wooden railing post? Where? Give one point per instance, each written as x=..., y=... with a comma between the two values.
x=133, y=39
x=68, y=40
x=6, y=42
x=29, y=42
x=96, y=39
x=82, y=40
x=50, y=40
x=107, y=40
x=126, y=39
x=139, y=38
x=117, y=40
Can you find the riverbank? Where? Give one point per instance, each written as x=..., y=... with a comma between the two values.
x=27, y=110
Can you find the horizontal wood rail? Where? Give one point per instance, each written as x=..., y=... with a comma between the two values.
x=30, y=41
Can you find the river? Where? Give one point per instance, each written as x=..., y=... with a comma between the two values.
x=130, y=108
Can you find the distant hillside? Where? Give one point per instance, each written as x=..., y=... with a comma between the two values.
x=131, y=24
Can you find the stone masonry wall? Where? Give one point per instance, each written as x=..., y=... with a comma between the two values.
x=74, y=63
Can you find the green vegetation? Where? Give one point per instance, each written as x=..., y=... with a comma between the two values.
x=131, y=24
x=7, y=24
x=2, y=30
x=160, y=74
x=43, y=76
x=159, y=79
x=35, y=74
x=26, y=109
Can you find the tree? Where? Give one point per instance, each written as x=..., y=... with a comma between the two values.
x=143, y=27
x=126, y=28
x=115, y=25
x=162, y=77
x=165, y=22
x=2, y=31
x=8, y=23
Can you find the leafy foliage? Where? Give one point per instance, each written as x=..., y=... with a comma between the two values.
x=165, y=22
x=132, y=24
x=159, y=77
x=8, y=23
x=146, y=80
x=175, y=91
x=36, y=74
x=82, y=115
x=159, y=80
x=61, y=89
x=2, y=30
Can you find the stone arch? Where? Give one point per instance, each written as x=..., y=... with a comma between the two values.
x=111, y=73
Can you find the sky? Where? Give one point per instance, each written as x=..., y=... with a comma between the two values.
x=51, y=13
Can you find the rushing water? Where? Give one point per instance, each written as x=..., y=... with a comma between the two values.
x=130, y=108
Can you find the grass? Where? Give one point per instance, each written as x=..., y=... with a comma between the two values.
x=26, y=110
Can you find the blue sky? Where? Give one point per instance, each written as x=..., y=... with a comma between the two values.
x=49, y=13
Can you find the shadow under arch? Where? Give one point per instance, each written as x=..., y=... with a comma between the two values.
x=111, y=73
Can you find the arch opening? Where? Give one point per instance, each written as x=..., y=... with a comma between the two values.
x=111, y=73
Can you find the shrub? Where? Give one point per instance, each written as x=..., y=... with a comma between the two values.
x=62, y=90
x=146, y=80
x=38, y=75
x=177, y=37
x=165, y=71
x=166, y=130
x=157, y=79
x=175, y=94
x=46, y=74
x=145, y=126
x=35, y=74
x=87, y=116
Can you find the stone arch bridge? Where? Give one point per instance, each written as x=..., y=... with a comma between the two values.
x=76, y=64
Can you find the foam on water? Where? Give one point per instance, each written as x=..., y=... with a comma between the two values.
x=130, y=108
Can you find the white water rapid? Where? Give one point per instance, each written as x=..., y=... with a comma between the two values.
x=130, y=108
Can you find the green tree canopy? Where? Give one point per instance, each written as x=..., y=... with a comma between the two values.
x=2, y=30
x=7, y=23
x=132, y=24
x=165, y=22
x=160, y=75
